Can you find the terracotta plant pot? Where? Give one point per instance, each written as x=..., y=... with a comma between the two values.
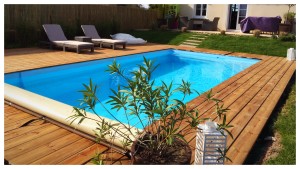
x=178, y=153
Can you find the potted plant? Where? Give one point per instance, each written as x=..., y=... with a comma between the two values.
x=289, y=19
x=165, y=119
x=289, y=16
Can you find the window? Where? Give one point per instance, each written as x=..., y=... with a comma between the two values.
x=243, y=11
x=200, y=10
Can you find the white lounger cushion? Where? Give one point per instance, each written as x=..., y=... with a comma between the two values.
x=71, y=42
x=128, y=38
x=108, y=40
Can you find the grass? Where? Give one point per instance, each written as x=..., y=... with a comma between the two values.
x=284, y=118
x=248, y=44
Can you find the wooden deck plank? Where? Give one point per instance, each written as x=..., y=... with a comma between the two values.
x=234, y=96
x=65, y=152
x=10, y=110
x=47, y=57
x=85, y=155
x=262, y=89
x=35, y=154
x=254, y=127
x=27, y=146
x=16, y=124
x=250, y=92
x=30, y=136
x=258, y=87
x=254, y=107
x=16, y=117
x=18, y=121
x=22, y=130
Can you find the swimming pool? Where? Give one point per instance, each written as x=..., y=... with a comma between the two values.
x=62, y=83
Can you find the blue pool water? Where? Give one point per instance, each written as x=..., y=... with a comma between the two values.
x=62, y=83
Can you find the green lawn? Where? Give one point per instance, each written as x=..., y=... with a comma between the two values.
x=248, y=44
x=285, y=122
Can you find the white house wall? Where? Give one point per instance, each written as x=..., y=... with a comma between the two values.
x=268, y=10
x=222, y=11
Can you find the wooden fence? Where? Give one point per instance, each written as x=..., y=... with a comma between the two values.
x=28, y=19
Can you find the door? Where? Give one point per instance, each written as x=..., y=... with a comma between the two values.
x=237, y=12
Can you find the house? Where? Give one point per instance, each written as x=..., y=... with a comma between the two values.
x=228, y=16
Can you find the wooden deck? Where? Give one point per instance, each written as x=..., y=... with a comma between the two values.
x=251, y=95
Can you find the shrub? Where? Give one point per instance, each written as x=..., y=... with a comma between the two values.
x=287, y=37
x=289, y=17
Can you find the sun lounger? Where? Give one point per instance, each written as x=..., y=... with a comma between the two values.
x=90, y=31
x=57, y=37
